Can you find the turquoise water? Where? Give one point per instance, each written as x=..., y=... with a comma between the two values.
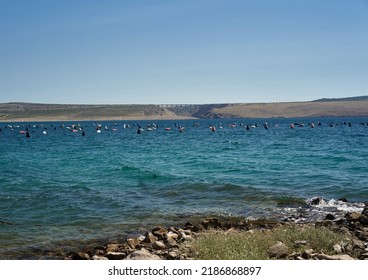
x=61, y=190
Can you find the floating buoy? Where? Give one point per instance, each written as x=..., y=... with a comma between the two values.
x=22, y=132
x=44, y=132
x=167, y=128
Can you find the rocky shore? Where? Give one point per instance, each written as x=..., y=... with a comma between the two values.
x=173, y=243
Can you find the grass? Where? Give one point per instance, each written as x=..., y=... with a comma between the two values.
x=219, y=245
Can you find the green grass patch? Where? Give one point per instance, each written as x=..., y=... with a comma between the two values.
x=219, y=245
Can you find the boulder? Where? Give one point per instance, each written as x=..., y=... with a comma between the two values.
x=142, y=254
x=150, y=238
x=160, y=233
x=352, y=216
x=158, y=245
x=115, y=255
x=330, y=217
x=317, y=200
x=133, y=242
x=169, y=242
x=173, y=255
x=363, y=235
x=172, y=235
x=363, y=220
x=278, y=251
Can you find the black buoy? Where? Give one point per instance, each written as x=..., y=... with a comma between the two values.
x=83, y=134
x=27, y=135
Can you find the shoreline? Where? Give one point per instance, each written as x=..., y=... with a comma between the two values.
x=28, y=112
x=176, y=243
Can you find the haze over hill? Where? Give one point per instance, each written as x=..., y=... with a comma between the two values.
x=352, y=106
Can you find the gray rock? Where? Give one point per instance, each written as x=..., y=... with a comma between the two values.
x=279, y=250
x=337, y=249
x=142, y=254
x=99, y=258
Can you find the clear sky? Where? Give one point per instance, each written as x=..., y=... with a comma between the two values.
x=182, y=51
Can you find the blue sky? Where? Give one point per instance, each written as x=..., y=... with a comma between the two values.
x=183, y=51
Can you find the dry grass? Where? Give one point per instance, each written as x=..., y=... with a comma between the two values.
x=218, y=245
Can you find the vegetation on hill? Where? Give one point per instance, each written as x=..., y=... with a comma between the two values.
x=354, y=106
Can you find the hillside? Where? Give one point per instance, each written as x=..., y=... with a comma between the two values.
x=55, y=112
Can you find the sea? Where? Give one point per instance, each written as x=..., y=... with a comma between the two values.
x=75, y=184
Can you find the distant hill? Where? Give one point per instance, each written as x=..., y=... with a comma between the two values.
x=352, y=106
x=355, y=98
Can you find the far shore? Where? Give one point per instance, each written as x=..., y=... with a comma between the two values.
x=28, y=112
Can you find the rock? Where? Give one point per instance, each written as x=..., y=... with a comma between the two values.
x=150, y=238
x=352, y=216
x=363, y=235
x=294, y=256
x=115, y=255
x=113, y=247
x=84, y=256
x=141, y=238
x=133, y=242
x=142, y=254
x=337, y=249
x=211, y=223
x=169, y=242
x=173, y=255
x=358, y=244
x=188, y=225
x=300, y=242
x=364, y=256
x=172, y=235
x=158, y=245
x=160, y=233
x=333, y=257
x=363, y=219
x=365, y=211
x=330, y=217
x=185, y=237
x=307, y=254
x=197, y=228
x=99, y=258
x=316, y=200
x=279, y=250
